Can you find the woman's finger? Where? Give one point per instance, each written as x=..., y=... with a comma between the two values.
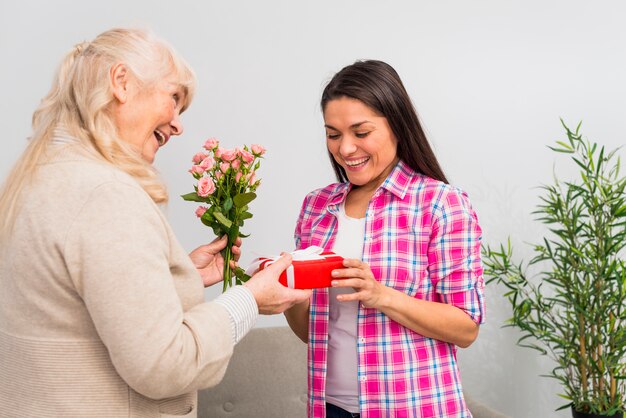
x=350, y=272
x=354, y=283
x=354, y=262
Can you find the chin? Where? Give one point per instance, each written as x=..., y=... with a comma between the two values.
x=148, y=154
x=148, y=158
x=356, y=181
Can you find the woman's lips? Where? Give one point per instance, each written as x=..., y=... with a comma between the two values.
x=355, y=164
x=161, y=137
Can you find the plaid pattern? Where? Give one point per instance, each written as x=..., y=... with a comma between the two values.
x=421, y=238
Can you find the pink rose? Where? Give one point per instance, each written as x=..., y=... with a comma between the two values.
x=251, y=178
x=246, y=156
x=196, y=170
x=207, y=163
x=211, y=143
x=218, y=174
x=257, y=149
x=200, y=211
x=229, y=154
x=224, y=167
x=238, y=176
x=198, y=157
x=218, y=152
x=205, y=187
x=236, y=164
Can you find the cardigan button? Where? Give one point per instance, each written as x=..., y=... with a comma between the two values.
x=228, y=406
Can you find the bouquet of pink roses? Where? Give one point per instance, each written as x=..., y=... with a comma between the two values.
x=226, y=182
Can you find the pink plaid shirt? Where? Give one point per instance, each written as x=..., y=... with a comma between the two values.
x=421, y=238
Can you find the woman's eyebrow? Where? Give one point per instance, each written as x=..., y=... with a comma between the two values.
x=354, y=125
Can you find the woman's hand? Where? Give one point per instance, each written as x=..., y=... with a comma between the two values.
x=358, y=275
x=271, y=296
x=431, y=319
x=209, y=261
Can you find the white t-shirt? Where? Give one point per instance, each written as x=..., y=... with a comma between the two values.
x=342, y=387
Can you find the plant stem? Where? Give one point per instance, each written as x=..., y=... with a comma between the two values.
x=227, y=254
x=583, y=354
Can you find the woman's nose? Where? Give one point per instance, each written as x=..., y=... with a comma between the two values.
x=177, y=125
x=347, y=146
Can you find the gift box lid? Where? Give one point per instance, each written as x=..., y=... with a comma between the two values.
x=311, y=268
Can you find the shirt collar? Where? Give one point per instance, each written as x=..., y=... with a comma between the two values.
x=338, y=196
x=396, y=183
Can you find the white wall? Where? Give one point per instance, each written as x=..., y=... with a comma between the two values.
x=490, y=80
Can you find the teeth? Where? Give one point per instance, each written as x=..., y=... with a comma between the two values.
x=160, y=137
x=356, y=162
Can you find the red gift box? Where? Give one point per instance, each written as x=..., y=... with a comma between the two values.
x=307, y=273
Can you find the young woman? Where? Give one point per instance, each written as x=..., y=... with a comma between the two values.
x=382, y=340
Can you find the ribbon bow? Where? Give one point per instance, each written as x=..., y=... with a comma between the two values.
x=310, y=253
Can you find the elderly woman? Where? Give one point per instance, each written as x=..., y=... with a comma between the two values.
x=101, y=310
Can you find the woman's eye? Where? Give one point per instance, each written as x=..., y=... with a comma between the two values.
x=361, y=134
x=332, y=136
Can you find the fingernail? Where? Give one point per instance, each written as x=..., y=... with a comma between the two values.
x=334, y=283
x=334, y=273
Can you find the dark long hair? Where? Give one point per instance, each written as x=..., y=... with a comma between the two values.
x=378, y=85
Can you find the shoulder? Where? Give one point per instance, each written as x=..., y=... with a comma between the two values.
x=440, y=198
x=320, y=198
x=72, y=185
x=82, y=174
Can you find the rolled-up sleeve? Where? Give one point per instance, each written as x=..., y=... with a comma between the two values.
x=454, y=261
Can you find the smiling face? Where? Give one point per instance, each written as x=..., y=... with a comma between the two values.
x=146, y=118
x=360, y=141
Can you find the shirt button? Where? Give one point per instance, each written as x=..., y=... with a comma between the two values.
x=362, y=339
x=363, y=378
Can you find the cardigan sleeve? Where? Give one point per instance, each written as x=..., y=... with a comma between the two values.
x=122, y=261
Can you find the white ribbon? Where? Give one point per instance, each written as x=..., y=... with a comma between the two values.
x=291, y=279
x=310, y=253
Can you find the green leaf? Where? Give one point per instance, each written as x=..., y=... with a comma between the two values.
x=241, y=275
x=222, y=219
x=243, y=199
x=248, y=215
x=233, y=232
x=565, y=145
x=227, y=205
x=193, y=197
x=563, y=150
x=207, y=218
x=620, y=212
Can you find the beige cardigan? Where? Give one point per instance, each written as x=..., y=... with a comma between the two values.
x=101, y=310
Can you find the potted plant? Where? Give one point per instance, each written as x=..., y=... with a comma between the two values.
x=573, y=307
